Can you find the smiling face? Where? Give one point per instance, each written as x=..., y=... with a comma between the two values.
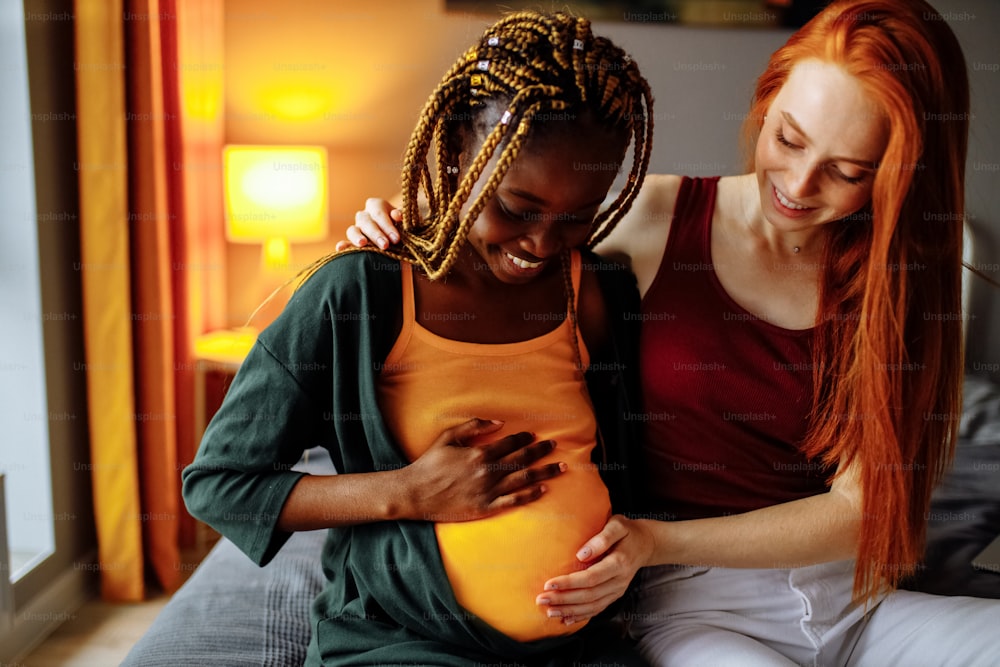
x=546, y=201
x=818, y=148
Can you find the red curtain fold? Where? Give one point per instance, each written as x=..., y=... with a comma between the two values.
x=153, y=319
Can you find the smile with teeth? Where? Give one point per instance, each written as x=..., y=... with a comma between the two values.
x=788, y=203
x=523, y=263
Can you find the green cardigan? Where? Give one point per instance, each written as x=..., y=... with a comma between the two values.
x=310, y=380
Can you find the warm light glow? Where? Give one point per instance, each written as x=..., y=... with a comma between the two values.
x=275, y=194
x=296, y=102
x=229, y=346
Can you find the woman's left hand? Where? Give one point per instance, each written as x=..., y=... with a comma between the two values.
x=613, y=556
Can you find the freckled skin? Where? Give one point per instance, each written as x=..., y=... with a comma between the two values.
x=811, y=158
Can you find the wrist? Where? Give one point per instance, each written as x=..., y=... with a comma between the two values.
x=654, y=551
x=403, y=498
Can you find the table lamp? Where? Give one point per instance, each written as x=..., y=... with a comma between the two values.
x=275, y=195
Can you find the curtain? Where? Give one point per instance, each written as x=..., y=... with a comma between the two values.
x=199, y=272
x=140, y=219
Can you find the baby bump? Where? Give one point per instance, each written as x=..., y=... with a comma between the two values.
x=498, y=565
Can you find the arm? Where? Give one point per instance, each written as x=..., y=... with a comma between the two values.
x=802, y=532
x=450, y=479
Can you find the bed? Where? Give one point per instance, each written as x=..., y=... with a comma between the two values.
x=232, y=613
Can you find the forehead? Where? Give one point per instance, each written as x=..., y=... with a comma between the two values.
x=833, y=110
x=566, y=165
x=561, y=132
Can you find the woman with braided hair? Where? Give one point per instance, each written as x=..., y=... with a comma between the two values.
x=801, y=368
x=443, y=526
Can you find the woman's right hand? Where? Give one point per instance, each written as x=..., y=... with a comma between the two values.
x=456, y=481
x=377, y=223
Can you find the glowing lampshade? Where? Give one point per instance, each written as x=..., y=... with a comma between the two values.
x=273, y=195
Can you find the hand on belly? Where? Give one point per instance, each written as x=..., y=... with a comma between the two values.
x=497, y=565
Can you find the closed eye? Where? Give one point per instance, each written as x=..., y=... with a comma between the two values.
x=780, y=136
x=536, y=216
x=518, y=217
x=853, y=180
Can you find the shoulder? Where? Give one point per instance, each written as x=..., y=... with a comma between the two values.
x=641, y=235
x=345, y=279
x=352, y=268
x=659, y=192
x=358, y=287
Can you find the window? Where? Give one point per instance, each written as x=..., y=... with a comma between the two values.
x=24, y=451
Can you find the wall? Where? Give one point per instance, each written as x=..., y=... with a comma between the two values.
x=349, y=75
x=975, y=22
x=361, y=72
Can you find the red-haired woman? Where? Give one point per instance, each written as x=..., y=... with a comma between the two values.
x=801, y=358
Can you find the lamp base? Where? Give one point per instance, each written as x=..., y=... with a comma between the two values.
x=275, y=254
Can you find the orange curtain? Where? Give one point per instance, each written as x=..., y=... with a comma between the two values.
x=105, y=272
x=142, y=303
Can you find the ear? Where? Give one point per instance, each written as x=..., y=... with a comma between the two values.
x=470, y=129
x=459, y=138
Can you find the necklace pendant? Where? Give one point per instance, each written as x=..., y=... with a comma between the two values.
x=796, y=249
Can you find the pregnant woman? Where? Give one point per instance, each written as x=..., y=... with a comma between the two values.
x=441, y=529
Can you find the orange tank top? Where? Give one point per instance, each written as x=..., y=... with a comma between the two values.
x=498, y=565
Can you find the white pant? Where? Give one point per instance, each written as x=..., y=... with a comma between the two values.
x=721, y=617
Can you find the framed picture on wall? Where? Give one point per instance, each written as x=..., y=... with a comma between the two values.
x=715, y=13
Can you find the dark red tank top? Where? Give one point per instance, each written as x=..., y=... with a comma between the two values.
x=727, y=394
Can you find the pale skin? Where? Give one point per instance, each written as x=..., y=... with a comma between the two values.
x=815, y=163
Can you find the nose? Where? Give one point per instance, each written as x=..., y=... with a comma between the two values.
x=801, y=180
x=544, y=239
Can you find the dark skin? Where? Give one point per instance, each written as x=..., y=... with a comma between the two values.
x=544, y=205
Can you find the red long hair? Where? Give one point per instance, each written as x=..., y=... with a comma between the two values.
x=889, y=343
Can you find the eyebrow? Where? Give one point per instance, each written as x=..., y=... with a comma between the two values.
x=866, y=164
x=535, y=199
